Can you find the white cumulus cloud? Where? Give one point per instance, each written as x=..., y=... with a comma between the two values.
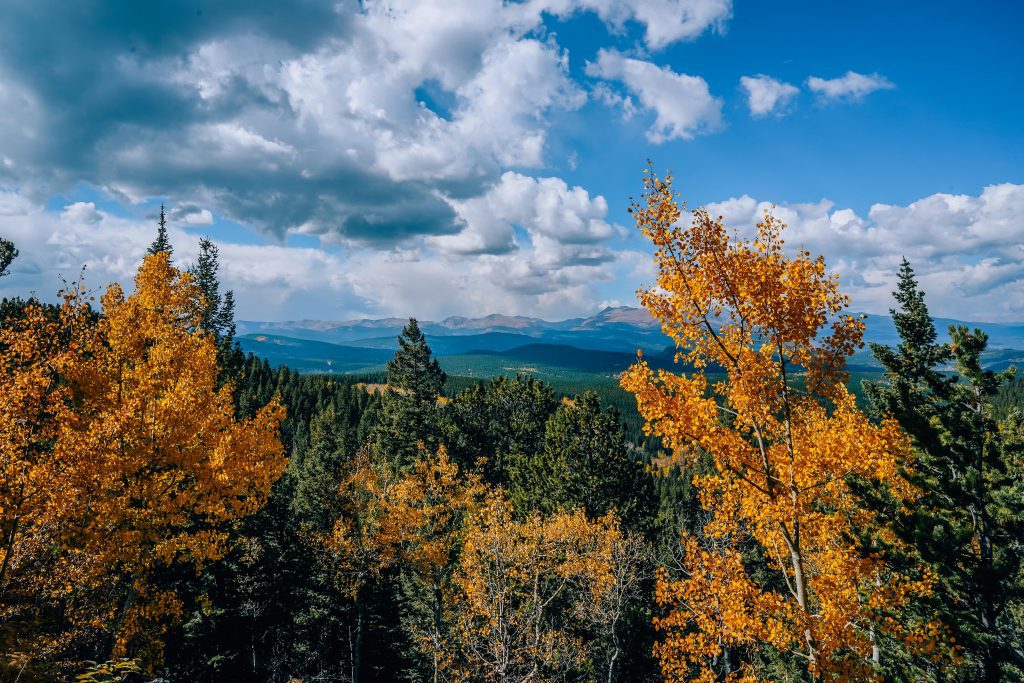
x=683, y=105
x=665, y=21
x=851, y=87
x=766, y=95
x=967, y=249
x=561, y=227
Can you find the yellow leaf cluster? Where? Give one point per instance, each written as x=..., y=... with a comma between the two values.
x=514, y=579
x=122, y=453
x=501, y=598
x=785, y=436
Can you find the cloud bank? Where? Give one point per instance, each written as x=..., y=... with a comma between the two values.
x=968, y=251
x=540, y=246
x=402, y=140
x=395, y=156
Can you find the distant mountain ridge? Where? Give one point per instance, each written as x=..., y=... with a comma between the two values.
x=882, y=330
x=612, y=329
x=621, y=328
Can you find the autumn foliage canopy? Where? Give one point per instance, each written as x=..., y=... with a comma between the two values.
x=121, y=459
x=783, y=436
x=151, y=525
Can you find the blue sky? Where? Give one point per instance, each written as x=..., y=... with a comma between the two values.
x=468, y=157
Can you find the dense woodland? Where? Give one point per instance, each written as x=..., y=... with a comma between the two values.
x=173, y=510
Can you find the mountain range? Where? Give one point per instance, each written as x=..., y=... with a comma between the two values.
x=604, y=343
x=612, y=329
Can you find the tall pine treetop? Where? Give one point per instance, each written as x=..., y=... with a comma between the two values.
x=161, y=243
x=409, y=410
x=7, y=254
x=969, y=518
x=205, y=273
x=913, y=322
x=219, y=312
x=412, y=369
x=912, y=364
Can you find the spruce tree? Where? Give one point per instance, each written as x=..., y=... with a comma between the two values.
x=502, y=422
x=7, y=254
x=218, y=318
x=162, y=242
x=409, y=410
x=205, y=274
x=585, y=463
x=967, y=525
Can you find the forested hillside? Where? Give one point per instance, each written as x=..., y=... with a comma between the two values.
x=173, y=509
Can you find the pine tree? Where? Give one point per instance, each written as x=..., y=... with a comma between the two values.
x=316, y=470
x=585, y=463
x=503, y=422
x=218, y=318
x=7, y=254
x=409, y=410
x=968, y=524
x=162, y=243
x=412, y=369
x=205, y=275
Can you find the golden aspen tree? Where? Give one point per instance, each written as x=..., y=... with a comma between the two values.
x=431, y=506
x=630, y=561
x=521, y=587
x=767, y=337
x=153, y=464
x=34, y=402
x=364, y=541
x=414, y=521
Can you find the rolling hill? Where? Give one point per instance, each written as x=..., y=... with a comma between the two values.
x=601, y=345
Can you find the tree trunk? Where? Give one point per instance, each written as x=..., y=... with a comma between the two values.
x=876, y=651
x=438, y=626
x=800, y=585
x=129, y=600
x=357, y=658
x=615, y=654
x=8, y=550
x=986, y=580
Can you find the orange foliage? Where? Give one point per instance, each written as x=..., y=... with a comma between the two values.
x=416, y=520
x=522, y=588
x=784, y=435
x=495, y=598
x=365, y=538
x=35, y=491
x=432, y=505
x=144, y=463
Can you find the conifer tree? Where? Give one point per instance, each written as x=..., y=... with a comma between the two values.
x=409, y=410
x=316, y=470
x=218, y=317
x=205, y=275
x=502, y=421
x=7, y=254
x=162, y=243
x=968, y=525
x=585, y=463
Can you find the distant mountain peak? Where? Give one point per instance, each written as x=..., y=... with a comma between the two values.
x=620, y=315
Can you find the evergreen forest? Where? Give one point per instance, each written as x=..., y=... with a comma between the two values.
x=173, y=509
